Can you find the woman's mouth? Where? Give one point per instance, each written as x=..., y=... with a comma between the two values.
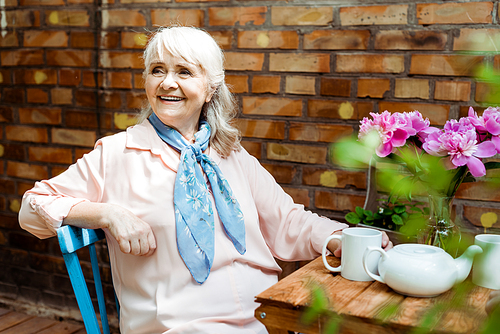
x=171, y=98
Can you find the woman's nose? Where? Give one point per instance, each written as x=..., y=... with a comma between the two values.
x=169, y=82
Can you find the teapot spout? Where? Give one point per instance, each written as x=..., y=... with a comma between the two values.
x=464, y=262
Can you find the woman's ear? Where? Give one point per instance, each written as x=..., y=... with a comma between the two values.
x=211, y=92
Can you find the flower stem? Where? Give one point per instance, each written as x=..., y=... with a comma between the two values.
x=460, y=176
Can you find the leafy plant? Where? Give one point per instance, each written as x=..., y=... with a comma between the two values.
x=392, y=215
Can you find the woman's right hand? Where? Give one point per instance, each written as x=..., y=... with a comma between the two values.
x=133, y=235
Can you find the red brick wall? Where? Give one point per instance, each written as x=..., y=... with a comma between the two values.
x=304, y=74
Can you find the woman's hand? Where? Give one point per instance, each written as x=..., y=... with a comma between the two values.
x=335, y=245
x=493, y=301
x=133, y=235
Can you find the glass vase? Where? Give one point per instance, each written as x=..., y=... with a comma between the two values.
x=440, y=230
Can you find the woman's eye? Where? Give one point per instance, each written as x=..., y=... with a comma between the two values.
x=157, y=71
x=185, y=72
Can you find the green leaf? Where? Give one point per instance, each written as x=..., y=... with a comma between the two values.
x=360, y=211
x=461, y=172
x=351, y=153
x=388, y=311
x=399, y=208
x=408, y=195
x=415, y=209
x=368, y=213
x=352, y=218
x=318, y=305
x=492, y=165
x=388, y=212
x=403, y=186
x=333, y=325
x=430, y=319
x=413, y=226
x=397, y=220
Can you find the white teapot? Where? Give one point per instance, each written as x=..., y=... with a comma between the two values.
x=421, y=270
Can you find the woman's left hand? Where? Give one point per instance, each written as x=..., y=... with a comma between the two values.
x=493, y=301
x=335, y=245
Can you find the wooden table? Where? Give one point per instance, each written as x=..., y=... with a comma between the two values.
x=367, y=307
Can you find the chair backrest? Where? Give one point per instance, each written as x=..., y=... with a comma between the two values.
x=72, y=239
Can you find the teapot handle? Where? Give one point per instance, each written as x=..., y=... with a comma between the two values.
x=368, y=251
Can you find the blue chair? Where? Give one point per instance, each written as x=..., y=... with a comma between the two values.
x=72, y=239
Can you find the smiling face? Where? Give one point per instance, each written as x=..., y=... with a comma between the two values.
x=177, y=90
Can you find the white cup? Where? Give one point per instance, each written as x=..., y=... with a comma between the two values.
x=355, y=240
x=486, y=267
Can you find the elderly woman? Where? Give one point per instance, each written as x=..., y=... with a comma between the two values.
x=193, y=222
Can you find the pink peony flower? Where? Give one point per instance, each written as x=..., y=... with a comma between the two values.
x=489, y=122
x=388, y=126
x=464, y=124
x=414, y=122
x=394, y=129
x=458, y=140
x=417, y=125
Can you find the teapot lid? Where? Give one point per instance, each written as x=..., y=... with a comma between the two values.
x=418, y=250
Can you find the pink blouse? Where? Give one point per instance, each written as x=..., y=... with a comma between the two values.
x=136, y=169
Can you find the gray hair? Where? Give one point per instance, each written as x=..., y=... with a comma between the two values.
x=198, y=47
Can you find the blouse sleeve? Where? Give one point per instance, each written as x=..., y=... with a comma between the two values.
x=44, y=207
x=291, y=232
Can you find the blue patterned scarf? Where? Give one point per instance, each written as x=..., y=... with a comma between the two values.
x=194, y=219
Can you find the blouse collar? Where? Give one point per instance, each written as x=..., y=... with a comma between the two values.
x=143, y=137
